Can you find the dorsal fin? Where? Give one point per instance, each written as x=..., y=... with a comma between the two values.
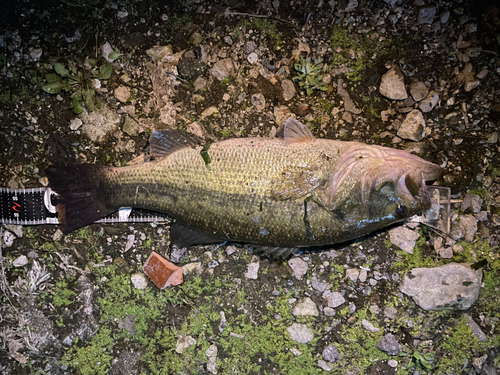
x=164, y=142
x=295, y=131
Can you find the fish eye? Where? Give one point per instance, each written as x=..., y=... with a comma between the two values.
x=401, y=211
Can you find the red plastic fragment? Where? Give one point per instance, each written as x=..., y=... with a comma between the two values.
x=161, y=272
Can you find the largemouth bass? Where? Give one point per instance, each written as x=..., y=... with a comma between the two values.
x=285, y=193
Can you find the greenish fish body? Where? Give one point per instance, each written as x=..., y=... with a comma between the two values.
x=292, y=192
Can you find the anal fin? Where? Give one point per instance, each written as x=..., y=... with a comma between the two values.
x=184, y=236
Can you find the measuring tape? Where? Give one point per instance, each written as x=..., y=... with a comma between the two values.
x=37, y=206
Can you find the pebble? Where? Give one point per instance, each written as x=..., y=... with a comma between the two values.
x=158, y=53
x=390, y=312
x=258, y=101
x=418, y=90
x=299, y=267
x=20, y=261
x=352, y=274
x=252, y=270
x=468, y=226
x=128, y=323
x=306, y=307
x=334, y=299
x=139, y=281
x=369, y=326
x=16, y=229
x=404, y=238
x=328, y=311
x=389, y=344
x=392, y=85
x=324, y=366
x=317, y=285
x=130, y=242
x=183, y=343
x=413, y=126
x=472, y=201
x=122, y=93
x=211, y=354
x=289, y=90
x=331, y=354
x=426, y=15
x=429, y=102
x=300, y=333
x=450, y=287
x=8, y=238
x=36, y=53
x=253, y=58
x=476, y=330
x=393, y=363
x=222, y=69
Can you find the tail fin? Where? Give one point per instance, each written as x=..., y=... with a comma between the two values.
x=78, y=201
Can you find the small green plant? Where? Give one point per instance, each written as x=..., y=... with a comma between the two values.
x=422, y=361
x=309, y=76
x=78, y=79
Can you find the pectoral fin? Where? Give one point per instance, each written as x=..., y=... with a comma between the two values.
x=183, y=236
x=295, y=183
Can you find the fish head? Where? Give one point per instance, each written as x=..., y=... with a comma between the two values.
x=373, y=187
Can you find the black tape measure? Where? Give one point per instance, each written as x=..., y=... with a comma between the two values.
x=37, y=206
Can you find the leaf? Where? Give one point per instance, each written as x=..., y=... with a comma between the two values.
x=52, y=77
x=89, y=99
x=114, y=55
x=106, y=71
x=52, y=88
x=61, y=70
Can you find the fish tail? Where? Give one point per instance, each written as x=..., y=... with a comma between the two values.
x=79, y=201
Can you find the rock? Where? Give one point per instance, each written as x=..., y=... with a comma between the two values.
x=413, y=126
x=352, y=274
x=300, y=333
x=426, y=15
x=299, y=267
x=389, y=344
x=99, y=123
x=158, y=53
x=36, y=53
x=450, y=287
x=258, y=101
x=223, y=69
x=191, y=68
x=318, y=285
x=252, y=270
x=288, y=89
x=403, y=238
x=252, y=58
x=429, y=102
x=349, y=104
x=139, y=281
x=444, y=16
x=369, y=326
x=468, y=225
x=334, y=299
x=472, y=201
x=20, y=261
x=131, y=127
x=210, y=111
x=390, y=312
x=126, y=364
x=75, y=124
x=178, y=254
x=212, y=359
x=331, y=354
x=418, y=90
x=328, y=311
x=324, y=366
x=306, y=307
x=446, y=252
x=476, y=330
x=194, y=268
x=122, y=93
x=183, y=343
x=392, y=85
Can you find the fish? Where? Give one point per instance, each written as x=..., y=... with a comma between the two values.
x=277, y=194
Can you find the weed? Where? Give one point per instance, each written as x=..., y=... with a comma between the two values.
x=310, y=75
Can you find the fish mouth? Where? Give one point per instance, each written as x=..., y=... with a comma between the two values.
x=411, y=190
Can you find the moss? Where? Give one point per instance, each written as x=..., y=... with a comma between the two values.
x=268, y=28
x=93, y=358
x=63, y=296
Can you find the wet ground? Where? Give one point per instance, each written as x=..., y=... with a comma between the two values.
x=232, y=70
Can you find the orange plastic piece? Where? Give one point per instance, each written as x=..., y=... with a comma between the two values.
x=161, y=272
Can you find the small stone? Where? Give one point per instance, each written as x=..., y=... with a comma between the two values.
x=210, y=111
x=194, y=268
x=306, y=307
x=36, y=53
x=446, y=253
x=393, y=363
x=468, y=225
x=258, y=101
x=289, y=90
x=362, y=275
x=211, y=354
x=429, y=102
x=223, y=69
x=352, y=274
x=139, y=281
x=20, y=261
x=75, y=124
x=130, y=127
x=471, y=85
x=334, y=299
x=418, y=90
x=403, y=238
x=413, y=126
x=128, y=323
x=183, y=343
x=390, y=312
x=8, y=238
x=252, y=270
x=324, y=366
x=252, y=58
x=331, y=354
x=426, y=15
x=392, y=85
x=122, y=93
x=300, y=333
x=328, y=311
x=389, y=344
x=130, y=242
x=228, y=40
x=479, y=363
x=369, y=326
x=299, y=267
x=476, y=330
